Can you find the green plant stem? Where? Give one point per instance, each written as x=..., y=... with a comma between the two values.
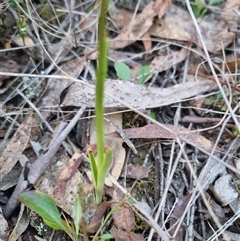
x=101, y=75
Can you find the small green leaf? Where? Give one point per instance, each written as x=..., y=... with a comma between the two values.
x=104, y=165
x=219, y=96
x=123, y=71
x=106, y=236
x=196, y=11
x=77, y=213
x=153, y=115
x=13, y=4
x=44, y=206
x=102, y=172
x=200, y=4
x=131, y=201
x=213, y=2
x=144, y=74
x=94, y=168
x=208, y=102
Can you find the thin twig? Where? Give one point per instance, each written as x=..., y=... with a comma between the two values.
x=122, y=134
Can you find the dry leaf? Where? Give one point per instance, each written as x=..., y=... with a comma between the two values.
x=24, y=41
x=140, y=25
x=51, y=96
x=232, y=236
x=121, y=235
x=123, y=218
x=120, y=16
x=218, y=34
x=21, y=224
x=147, y=43
x=4, y=228
x=162, y=63
x=135, y=172
x=176, y=24
x=136, y=95
x=124, y=221
x=231, y=66
x=156, y=131
x=97, y=217
x=15, y=147
x=217, y=209
x=229, y=15
x=177, y=214
x=68, y=171
x=7, y=65
x=48, y=182
x=123, y=18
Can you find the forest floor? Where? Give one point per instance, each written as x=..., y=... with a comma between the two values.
x=171, y=119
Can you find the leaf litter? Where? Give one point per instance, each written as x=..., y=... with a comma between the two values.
x=162, y=27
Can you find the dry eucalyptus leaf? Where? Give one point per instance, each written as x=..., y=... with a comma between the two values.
x=162, y=63
x=177, y=214
x=98, y=216
x=135, y=172
x=147, y=42
x=122, y=235
x=123, y=18
x=231, y=66
x=231, y=235
x=217, y=209
x=219, y=34
x=51, y=96
x=140, y=25
x=24, y=41
x=67, y=173
x=11, y=179
x=15, y=147
x=7, y=65
x=123, y=218
x=136, y=95
x=120, y=16
x=4, y=228
x=156, y=131
x=216, y=35
x=21, y=225
x=229, y=15
x=124, y=221
x=48, y=183
x=176, y=24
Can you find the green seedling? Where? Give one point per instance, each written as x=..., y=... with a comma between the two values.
x=123, y=71
x=14, y=4
x=200, y=7
x=144, y=74
x=216, y=102
x=153, y=115
x=21, y=25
